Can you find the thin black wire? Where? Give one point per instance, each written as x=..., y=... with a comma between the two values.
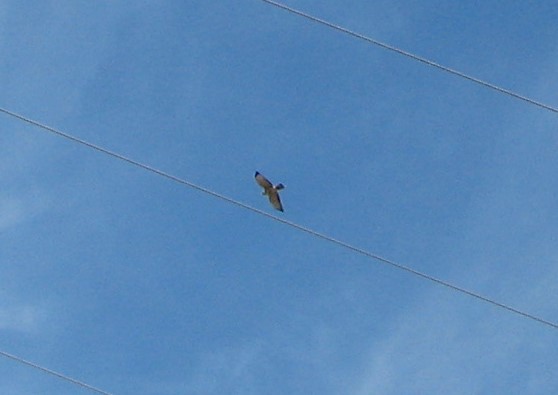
x=289, y=223
x=53, y=373
x=412, y=56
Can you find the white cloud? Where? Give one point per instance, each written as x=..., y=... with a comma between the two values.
x=17, y=210
x=11, y=212
x=448, y=346
x=231, y=368
x=21, y=318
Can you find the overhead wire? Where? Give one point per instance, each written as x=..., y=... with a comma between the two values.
x=54, y=373
x=284, y=221
x=411, y=55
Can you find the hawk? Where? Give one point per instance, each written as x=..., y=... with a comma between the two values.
x=270, y=190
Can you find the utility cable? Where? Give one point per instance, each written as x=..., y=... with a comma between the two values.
x=411, y=55
x=288, y=223
x=53, y=373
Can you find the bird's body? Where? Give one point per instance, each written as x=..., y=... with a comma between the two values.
x=270, y=190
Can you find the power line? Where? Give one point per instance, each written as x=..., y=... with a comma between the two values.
x=284, y=221
x=53, y=373
x=411, y=55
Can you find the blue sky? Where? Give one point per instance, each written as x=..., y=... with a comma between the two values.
x=138, y=285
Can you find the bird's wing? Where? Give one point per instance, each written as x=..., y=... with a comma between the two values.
x=275, y=200
x=264, y=182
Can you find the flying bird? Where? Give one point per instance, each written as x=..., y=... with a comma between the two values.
x=270, y=190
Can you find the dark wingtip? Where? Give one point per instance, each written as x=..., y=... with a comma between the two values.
x=257, y=173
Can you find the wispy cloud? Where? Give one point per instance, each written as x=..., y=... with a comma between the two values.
x=21, y=317
x=15, y=210
x=445, y=346
x=229, y=369
x=11, y=212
